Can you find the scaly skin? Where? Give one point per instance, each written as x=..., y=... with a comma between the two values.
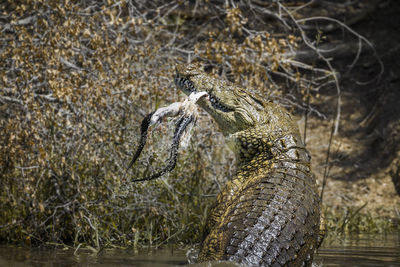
x=269, y=213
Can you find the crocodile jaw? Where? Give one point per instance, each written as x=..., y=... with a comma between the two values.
x=224, y=103
x=226, y=120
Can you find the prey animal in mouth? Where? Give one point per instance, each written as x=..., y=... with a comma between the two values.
x=186, y=111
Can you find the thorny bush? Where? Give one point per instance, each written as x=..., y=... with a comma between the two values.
x=76, y=79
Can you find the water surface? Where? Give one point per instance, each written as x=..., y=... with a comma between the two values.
x=360, y=251
x=356, y=250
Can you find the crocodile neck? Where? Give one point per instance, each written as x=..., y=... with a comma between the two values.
x=267, y=146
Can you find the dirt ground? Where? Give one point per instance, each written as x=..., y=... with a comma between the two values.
x=366, y=150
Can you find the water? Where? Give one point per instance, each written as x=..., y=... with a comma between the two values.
x=359, y=250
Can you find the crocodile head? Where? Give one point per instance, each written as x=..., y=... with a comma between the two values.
x=233, y=108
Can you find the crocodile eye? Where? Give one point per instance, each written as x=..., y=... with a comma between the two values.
x=241, y=92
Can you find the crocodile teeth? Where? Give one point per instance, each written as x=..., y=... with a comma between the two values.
x=185, y=84
x=217, y=105
x=189, y=85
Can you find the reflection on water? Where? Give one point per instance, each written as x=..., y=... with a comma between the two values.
x=21, y=257
x=361, y=250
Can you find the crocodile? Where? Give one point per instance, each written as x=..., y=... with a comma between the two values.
x=268, y=214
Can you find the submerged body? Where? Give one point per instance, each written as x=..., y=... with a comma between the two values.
x=269, y=213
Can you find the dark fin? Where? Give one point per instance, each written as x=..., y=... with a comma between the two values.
x=143, y=138
x=182, y=123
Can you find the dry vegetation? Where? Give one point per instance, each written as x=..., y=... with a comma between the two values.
x=76, y=79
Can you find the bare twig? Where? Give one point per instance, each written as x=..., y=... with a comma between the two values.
x=327, y=62
x=328, y=153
